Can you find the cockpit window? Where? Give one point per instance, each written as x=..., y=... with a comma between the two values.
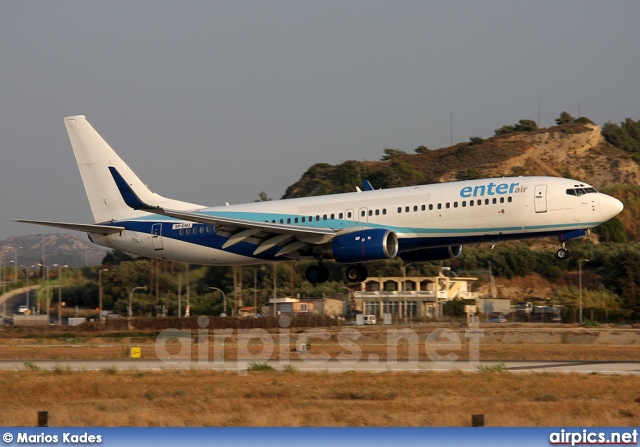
x=580, y=191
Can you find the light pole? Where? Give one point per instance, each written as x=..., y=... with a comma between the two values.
x=131, y=299
x=60, y=291
x=580, y=261
x=100, y=292
x=15, y=261
x=224, y=299
x=26, y=268
x=48, y=300
x=4, y=281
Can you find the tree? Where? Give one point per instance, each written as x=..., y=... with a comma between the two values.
x=525, y=125
x=564, y=118
x=626, y=136
x=505, y=130
x=611, y=231
x=390, y=154
x=421, y=150
x=263, y=197
x=624, y=279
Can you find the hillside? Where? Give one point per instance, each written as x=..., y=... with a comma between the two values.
x=64, y=249
x=571, y=150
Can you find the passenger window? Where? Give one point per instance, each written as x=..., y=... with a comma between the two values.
x=470, y=202
x=439, y=206
x=509, y=199
x=495, y=200
x=295, y=220
x=324, y=217
x=208, y=229
x=464, y=203
x=281, y=220
x=201, y=230
x=501, y=199
x=340, y=216
x=406, y=208
x=333, y=216
x=399, y=210
x=455, y=204
x=289, y=220
x=384, y=211
x=317, y=218
x=370, y=212
x=188, y=231
x=303, y=219
x=415, y=208
x=479, y=202
x=486, y=201
x=181, y=232
x=377, y=212
x=430, y=206
x=349, y=214
x=448, y=205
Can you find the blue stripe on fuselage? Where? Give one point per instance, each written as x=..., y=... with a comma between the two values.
x=204, y=235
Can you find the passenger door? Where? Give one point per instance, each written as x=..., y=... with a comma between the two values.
x=156, y=236
x=540, y=198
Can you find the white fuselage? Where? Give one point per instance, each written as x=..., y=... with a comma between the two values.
x=424, y=216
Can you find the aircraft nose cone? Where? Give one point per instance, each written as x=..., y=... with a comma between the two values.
x=610, y=207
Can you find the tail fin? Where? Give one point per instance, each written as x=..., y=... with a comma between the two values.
x=94, y=157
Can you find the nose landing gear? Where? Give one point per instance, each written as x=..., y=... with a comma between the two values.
x=562, y=252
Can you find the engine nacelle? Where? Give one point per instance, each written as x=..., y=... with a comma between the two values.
x=432, y=254
x=364, y=245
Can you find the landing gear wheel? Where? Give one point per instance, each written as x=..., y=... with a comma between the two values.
x=562, y=253
x=356, y=273
x=316, y=274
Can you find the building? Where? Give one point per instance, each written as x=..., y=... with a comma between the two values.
x=330, y=307
x=288, y=306
x=413, y=297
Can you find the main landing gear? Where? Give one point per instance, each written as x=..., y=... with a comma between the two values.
x=356, y=273
x=317, y=274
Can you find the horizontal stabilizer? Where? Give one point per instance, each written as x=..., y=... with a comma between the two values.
x=85, y=228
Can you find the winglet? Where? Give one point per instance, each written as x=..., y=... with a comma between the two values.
x=367, y=185
x=128, y=195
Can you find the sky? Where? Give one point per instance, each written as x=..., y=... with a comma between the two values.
x=216, y=101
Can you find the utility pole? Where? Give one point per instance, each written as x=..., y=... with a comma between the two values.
x=451, y=127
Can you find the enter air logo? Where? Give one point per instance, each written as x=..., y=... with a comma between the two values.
x=492, y=189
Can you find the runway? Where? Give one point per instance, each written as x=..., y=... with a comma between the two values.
x=330, y=365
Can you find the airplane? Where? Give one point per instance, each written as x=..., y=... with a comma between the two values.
x=416, y=223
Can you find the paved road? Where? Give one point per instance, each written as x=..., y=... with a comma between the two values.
x=586, y=367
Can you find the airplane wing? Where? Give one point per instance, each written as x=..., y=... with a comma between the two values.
x=85, y=228
x=290, y=237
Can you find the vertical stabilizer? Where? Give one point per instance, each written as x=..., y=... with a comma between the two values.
x=94, y=157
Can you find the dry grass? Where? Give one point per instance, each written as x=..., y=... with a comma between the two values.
x=497, y=344
x=204, y=398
